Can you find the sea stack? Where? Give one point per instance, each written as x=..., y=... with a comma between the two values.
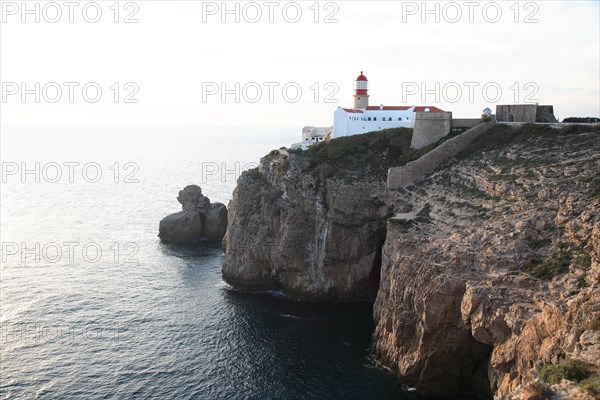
x=199, y=219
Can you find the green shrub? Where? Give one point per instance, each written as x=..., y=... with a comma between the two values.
x=547, y=269
x=324, y=171
x=584, y=120
x=573, y=370
x=366, y=155
x=536, y=243
x=592, y=385
x=584, y=262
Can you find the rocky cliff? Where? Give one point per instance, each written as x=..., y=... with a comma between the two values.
x=484, y=270
x=312, y=224
x=495, y=272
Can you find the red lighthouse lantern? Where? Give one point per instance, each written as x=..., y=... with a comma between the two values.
x=361, y=92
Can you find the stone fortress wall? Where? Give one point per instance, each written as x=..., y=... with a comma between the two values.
x=531, y=113
x=430, y=127
x=462, y=123
x=409, y=173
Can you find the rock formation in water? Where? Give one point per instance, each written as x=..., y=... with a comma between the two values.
x=199, y=219
x=489, y=269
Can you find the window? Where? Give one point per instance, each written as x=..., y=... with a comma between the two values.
x=374, y=118
x=369, y=118
x=399, y=118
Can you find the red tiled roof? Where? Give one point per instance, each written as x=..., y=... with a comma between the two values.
x=394, y=108
x=388, y=108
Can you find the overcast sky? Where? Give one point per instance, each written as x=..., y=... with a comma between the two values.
x=177, y=57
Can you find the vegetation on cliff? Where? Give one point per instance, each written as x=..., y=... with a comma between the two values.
x=582, y=120
x=360, y=156
x=584, y=373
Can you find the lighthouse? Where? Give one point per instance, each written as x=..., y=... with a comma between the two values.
x=363, y=118
x=361, y=92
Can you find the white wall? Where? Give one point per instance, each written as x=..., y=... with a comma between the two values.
x=348, y=124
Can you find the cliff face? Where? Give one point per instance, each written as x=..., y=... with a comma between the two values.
x=313, y=241
x=313, y=224
x=495, y=273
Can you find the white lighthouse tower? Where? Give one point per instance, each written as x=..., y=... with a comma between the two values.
x=361, y=92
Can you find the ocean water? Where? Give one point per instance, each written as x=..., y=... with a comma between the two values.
x=94, y=306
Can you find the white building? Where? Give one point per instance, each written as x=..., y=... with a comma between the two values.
x=312, y=135
x=363, y=118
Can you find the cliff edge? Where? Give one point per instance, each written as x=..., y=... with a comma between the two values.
x=494, y=276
